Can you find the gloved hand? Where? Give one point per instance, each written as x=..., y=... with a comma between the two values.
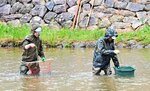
x=117, y=66
x=43, y=59
x=31, y=45
x=116, y=51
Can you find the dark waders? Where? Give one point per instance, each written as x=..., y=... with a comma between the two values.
x=29, y=68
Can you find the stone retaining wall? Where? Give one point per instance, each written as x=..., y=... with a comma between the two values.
x=125, y=15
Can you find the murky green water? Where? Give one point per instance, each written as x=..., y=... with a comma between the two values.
x=71, y=71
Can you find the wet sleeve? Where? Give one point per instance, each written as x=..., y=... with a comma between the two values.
x=115, y=60
x=25, y=42
x=40, y=51
x=103, y=50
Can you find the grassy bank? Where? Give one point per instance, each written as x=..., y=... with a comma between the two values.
x=53, y=37
x=141, y=35
x=69, y=36
x=11, y=33
x=14, y=34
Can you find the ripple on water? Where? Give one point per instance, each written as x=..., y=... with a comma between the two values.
x=10, y=76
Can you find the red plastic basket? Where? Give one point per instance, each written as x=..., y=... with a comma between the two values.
x=45, y=67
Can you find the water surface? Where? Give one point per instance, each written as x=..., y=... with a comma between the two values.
x=71, y=71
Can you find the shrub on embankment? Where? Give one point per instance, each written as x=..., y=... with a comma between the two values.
x=12, y=36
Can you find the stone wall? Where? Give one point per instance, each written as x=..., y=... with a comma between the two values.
x=125, y=15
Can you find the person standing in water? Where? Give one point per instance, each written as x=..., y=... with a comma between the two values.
x=104, y=52
x=32, y=46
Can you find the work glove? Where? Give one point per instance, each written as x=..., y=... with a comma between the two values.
x=43, y=59
x=116, y=64
x=31, y=45
x=116, y=51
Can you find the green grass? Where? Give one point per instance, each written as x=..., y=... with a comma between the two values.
x=9, y=33
x=52, y=37
x=68, y=36
x=142, y=35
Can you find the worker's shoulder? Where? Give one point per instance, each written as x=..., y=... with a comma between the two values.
x=100, y=39
x=28, y=37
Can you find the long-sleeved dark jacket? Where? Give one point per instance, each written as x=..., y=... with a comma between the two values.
x=103, y=53
x=32, y=54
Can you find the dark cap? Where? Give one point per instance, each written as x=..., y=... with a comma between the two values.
x=111, y=32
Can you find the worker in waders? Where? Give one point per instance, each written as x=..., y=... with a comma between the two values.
x=32, y=46
x=104, y=52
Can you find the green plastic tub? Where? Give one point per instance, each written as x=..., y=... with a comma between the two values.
x=124, y=71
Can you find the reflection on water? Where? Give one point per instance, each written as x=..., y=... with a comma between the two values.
x=71, y=70
x=32, y=84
